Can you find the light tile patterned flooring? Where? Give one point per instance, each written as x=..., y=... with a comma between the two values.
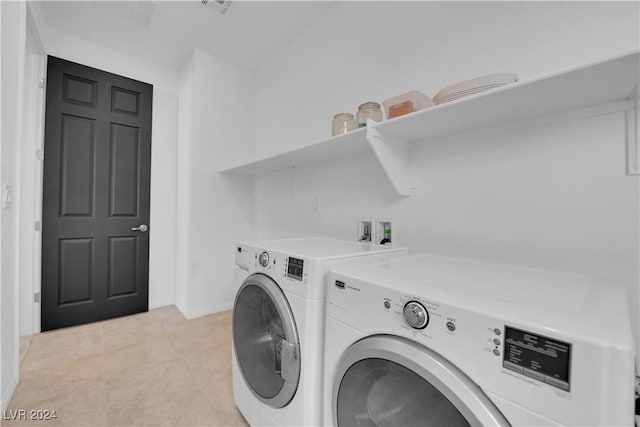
x=154, y=368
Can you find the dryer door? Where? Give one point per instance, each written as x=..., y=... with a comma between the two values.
x=390, y=381
x=265, y=341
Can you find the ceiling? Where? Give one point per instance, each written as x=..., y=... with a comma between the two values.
x=166, y=32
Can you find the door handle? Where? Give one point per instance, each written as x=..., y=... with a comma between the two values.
x=143, y=228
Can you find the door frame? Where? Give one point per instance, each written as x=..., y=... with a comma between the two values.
x=31, y=180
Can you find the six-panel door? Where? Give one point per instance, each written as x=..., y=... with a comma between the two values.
x=96, y=190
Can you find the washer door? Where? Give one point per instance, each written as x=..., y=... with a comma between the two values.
x=390, y=381
x=265, y=341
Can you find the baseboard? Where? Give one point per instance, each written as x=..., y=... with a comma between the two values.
x=203, y=311
x=8, y=394
x=160, y=303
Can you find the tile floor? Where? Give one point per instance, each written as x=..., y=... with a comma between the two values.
x=155, y=368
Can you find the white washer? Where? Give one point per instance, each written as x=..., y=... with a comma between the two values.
x=429, y=340
x=278, y=325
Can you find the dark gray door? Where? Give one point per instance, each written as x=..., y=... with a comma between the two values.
x=97, y=163
x=390, y=381
x=265, y=341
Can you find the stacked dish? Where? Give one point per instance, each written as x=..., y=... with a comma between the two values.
x=470, y=87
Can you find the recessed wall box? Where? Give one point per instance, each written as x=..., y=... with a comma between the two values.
x=384, y=232
x=366, y=230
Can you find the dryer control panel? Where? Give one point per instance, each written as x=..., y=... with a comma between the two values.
x=280, y=265
x=538, y=357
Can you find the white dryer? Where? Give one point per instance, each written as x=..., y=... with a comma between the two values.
x=429, y=340
x=278, y=325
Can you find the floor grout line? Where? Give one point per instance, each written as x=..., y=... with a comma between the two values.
x=26, y=351
x=192, y=380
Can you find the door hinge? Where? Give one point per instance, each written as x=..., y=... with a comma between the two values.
x=37, y=226
x=633, y=138
x=36, y=297
x=40, y=154
x=7, y=197
x=41, y=83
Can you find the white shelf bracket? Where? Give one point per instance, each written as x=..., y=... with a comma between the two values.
x=633, y=138
x=394, y=155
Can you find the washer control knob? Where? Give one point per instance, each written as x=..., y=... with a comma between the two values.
x=263, y=259
x=416, y=315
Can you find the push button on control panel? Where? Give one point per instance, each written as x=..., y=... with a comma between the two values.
x=533, y=374
x=512, y=366
x=451, y=326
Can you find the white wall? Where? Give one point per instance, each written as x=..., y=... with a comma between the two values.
x=183, y=181
x=12, y=27
x=361, y=51
x=217, y=115
x=553, y=196
x=162, y=242
x=162, y=224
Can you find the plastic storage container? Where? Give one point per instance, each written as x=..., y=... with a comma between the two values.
x=406, y=103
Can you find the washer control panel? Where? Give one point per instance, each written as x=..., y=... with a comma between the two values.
x=416, y=315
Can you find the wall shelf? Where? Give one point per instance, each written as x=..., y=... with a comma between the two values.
x=608, y=81
x=337, y=146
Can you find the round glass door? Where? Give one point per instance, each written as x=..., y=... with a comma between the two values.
x=390, y=381
x=265, y=341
